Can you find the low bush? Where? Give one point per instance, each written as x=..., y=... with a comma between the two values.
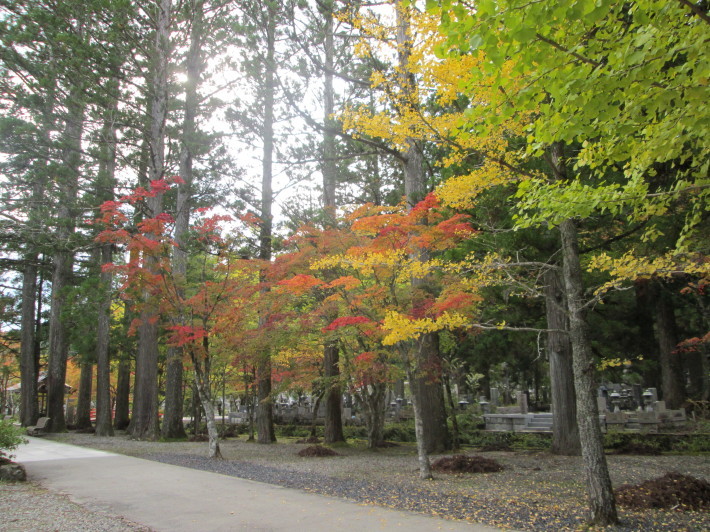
x=10, y=438
x=292, y=431
x=400, y=432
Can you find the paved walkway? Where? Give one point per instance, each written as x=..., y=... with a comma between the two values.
x=171, y=498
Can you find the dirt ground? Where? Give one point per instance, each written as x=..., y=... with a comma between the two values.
x=534, y=491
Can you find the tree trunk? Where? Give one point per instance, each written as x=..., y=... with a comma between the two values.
x=83, y=409
x=172, y=419
x=601, y=496
x=333, y=422
x=123, y=391
x=29, y=407
x=672, y=385
x=565, y=433
x=422, y=453
x=103, y=376
x=427, y=385
x=105, y=184
x=373, y=400
x=264, y=413
x=455, y=442
x=68, y=178
x=144, y=421
x=201, y=364
x=646, y=340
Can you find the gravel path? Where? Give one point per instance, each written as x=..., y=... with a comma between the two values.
x=536, y=491
x=25, y=506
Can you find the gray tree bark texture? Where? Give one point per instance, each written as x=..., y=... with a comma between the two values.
x=264, y=412
x=601, y=496
x=428, y=398
x=123, y=390
x=83, y=409
x=64, y=259
x=144, y=421
x=672, y=385
x=172, y=420
x=333, y=422
x=103, y=360
x=565, y=433
x=105, y=184
x=29, y=408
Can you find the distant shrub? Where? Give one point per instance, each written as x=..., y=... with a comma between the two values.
x=292, y=431
x=10, y=438
x=401, y=432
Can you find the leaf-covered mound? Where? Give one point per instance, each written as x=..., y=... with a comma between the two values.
x=671, y=491
x=317, y=450
x=461, y=463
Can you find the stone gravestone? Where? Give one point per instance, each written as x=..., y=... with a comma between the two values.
x=522, y=400
x=601, y=404
x=495, y=397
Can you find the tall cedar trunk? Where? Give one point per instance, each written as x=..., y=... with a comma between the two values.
x=83, y=409
x=430, y=411
x=29, y=407
x=201, y=364
x=68, y=181
x=103, y=361
x=144, y=421
x=601, y=496
x=646, y=342
x=31, y=318
x=172, y=420
x=672, y=386
x=333, y=421
x=121, y=418
x=105, y=191
x=264, y=414
x=565, y=433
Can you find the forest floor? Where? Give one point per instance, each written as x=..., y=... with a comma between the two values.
x=535, y=490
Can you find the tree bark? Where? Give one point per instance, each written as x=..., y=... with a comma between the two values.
x=83, y=409
x=601, y=495
x=565, y=432
x=333, y=422
x=373, y=398
x=144, y=421
x=264, y=413
x=121, y=418
x=422, y=453
x=103, y=361
x=105, y=184
x=201, y=364
x=672, y=385
x=428, y=388
x=64, y=259
x=426, y=385
x=29, y=407
x=172, y=419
